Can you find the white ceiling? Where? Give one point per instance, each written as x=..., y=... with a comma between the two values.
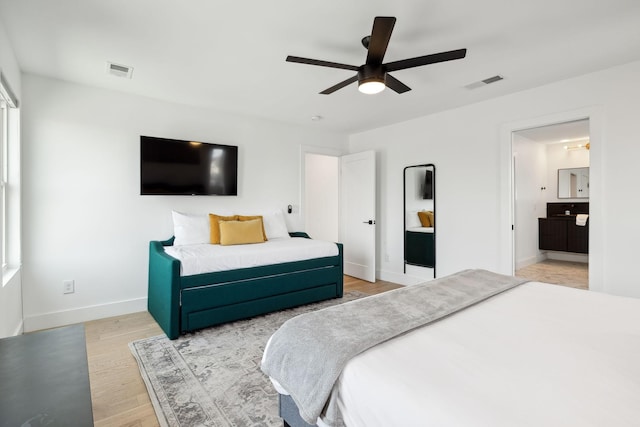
x=571, y=133
x=230, y=55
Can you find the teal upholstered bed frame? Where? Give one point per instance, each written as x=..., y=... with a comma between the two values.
x=181, y=304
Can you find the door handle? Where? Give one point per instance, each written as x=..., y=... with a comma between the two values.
x=370, y=222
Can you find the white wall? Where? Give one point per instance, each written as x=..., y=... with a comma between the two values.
x=469, y=149
x=11, y=287
x=322, y=194
x=530, y=163
x=84, y=218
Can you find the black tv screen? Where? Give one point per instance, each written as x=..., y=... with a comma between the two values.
x=428, y=185
x=176, y=167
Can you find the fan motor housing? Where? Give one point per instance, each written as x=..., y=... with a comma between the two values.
x=371, y=73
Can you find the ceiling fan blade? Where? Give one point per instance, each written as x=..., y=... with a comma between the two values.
x=339, y=85
x=321, y=63
x=380, y=36
x=395, y=84
x=425, y=60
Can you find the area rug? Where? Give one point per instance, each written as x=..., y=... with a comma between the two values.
x=212, y=377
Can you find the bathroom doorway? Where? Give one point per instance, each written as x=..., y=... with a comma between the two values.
x=550, y=200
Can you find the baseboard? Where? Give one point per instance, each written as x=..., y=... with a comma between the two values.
x=568, y=256
x=407, y=279
x=356, y=270
x=530, y=261
x=83, y=314
x=20, y=329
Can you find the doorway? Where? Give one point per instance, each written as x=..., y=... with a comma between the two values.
x=543, y=158
x=339, y=203
x=322, y=195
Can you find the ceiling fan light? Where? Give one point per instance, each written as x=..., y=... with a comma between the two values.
x=371, y=87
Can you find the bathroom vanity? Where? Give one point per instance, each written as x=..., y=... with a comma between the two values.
x=559, y=232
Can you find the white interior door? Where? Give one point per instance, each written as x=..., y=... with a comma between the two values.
x=358, y=209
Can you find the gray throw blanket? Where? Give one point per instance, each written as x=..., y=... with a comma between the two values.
x=307, y=354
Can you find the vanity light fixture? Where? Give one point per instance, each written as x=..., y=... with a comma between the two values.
x=578, y=147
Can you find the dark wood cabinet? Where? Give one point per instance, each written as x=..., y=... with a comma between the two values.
x=420, y=249
x=577, y=238
x=552, y=234
x=562, y=234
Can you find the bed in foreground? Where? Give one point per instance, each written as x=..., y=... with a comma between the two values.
x=532, y=354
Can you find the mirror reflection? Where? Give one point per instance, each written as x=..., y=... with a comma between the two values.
x=419, y=219
x=573, y=183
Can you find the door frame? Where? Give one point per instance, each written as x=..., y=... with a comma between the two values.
x=595, y=115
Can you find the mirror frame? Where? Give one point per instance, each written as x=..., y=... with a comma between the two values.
x=558, y=183
x=404, y=215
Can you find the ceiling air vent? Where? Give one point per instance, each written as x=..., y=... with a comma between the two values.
x=484, y=82
x=119, y=70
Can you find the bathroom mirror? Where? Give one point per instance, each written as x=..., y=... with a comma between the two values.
x=419, y=220
x=573, y=183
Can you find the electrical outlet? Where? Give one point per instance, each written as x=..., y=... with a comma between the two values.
x=68, y=286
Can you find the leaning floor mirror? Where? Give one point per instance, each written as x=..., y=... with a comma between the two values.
x=419, y=220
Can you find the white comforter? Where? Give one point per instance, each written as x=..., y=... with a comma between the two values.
x=537, y=355
x=421, y=229
x=206, y=258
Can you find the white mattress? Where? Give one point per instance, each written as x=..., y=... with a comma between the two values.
x=421, y=229
x=537, y=355
x=206, y=258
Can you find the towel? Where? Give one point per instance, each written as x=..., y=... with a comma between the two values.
x=581, y=219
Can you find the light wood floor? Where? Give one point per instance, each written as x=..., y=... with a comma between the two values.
x=566, y=273
x=118, y=394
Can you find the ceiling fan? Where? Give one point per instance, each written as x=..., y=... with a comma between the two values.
x=373, y=76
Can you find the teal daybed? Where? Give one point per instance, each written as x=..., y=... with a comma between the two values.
x=184, y=303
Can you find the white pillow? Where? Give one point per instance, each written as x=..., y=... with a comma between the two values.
x=274, y=226
x=190, y=229
x=413, y=220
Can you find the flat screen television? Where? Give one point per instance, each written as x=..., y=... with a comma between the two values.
x=428, y=185
x=176, y=167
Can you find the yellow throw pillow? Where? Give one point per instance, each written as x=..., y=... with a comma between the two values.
x=432, y=219
x=249, y=218
x=241, y=232
x=214, y=226
x=425, y=220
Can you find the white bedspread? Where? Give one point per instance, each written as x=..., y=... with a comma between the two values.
x=421, y=229
x=205, y=258
x=537, y=355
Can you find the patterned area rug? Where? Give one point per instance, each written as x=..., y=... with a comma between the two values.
x=212, y=377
